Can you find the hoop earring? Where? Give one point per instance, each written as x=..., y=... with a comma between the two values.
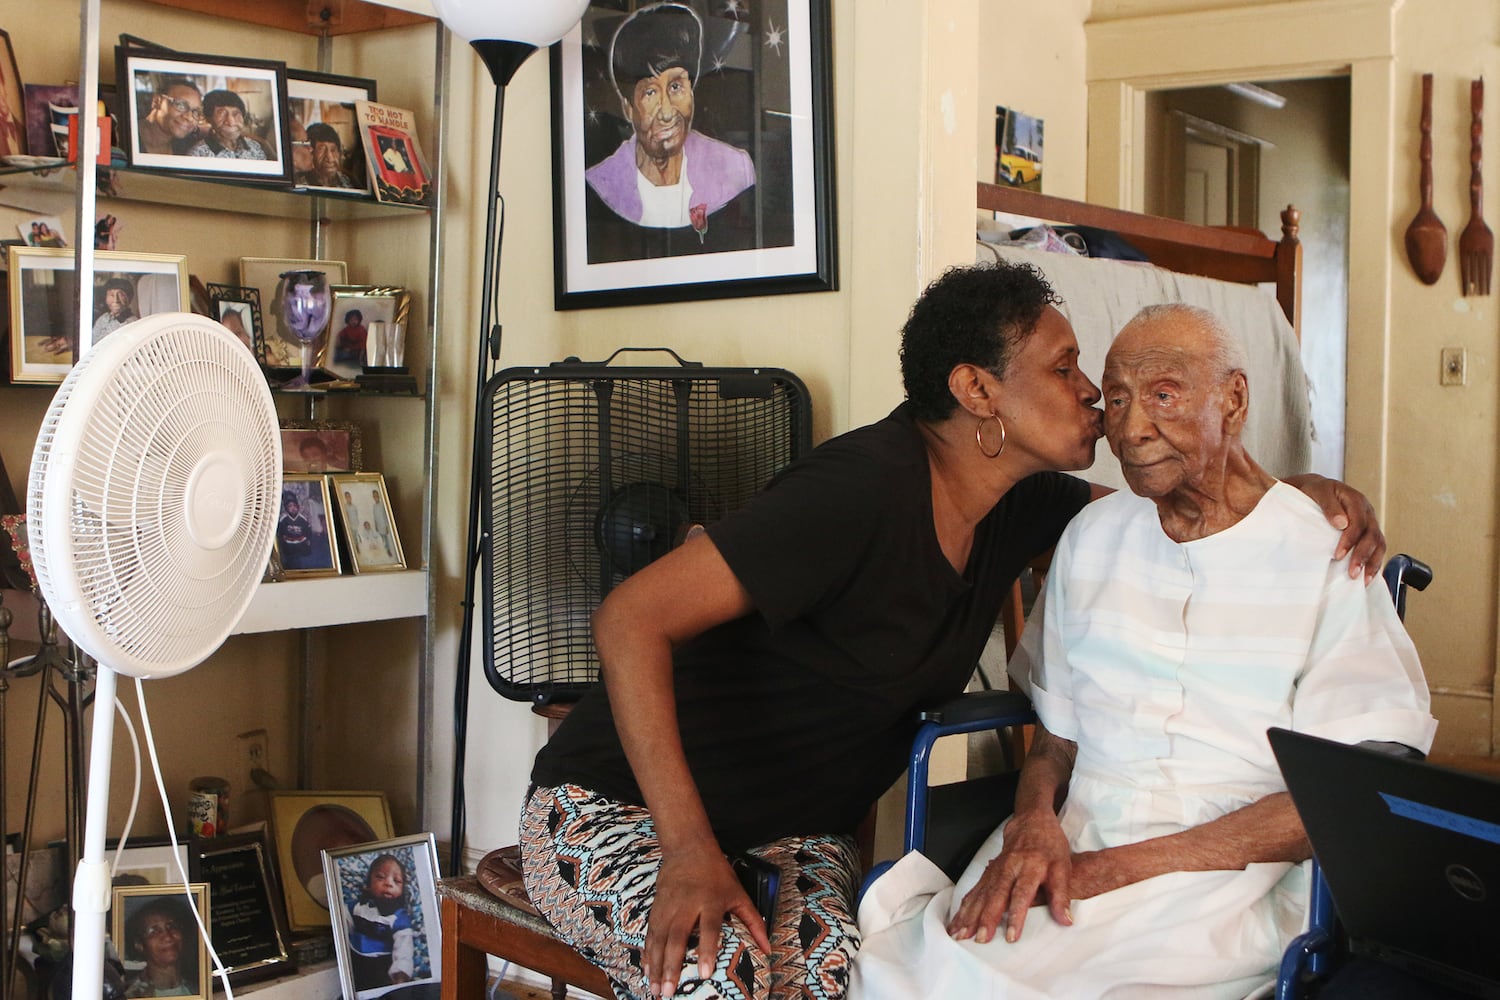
x=979, y=437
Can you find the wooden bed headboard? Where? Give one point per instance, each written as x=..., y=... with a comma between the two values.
x=1240, y=255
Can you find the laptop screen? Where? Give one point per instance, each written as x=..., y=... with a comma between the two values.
x=1411, y=853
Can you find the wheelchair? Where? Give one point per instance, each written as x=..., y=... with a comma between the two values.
x=948, y=823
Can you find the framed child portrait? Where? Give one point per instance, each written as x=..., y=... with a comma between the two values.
x=304, y=824
x=304, y=533
x=321, y=446
x=159, y=943
x=356, y=310
x=365, y=514
x=383, y=909
x=238, y=308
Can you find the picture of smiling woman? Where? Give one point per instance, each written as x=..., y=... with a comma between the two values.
x=159, y=942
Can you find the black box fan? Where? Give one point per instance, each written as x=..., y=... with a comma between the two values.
x=596, y=470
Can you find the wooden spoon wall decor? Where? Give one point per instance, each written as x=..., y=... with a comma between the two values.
x=1476, y=244
x=1427, y=237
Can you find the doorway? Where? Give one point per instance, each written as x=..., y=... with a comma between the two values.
x=1216, y=158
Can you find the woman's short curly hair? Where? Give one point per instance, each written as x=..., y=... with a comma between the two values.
x=171, y=907
x=971, y=315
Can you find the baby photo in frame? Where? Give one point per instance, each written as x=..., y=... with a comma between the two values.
x=321, y=446
x=304, y=534
x=304, y=824
x=365, y=514
x=384, y=913
x=158, y=940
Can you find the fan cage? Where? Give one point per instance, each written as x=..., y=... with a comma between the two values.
x=120, y=501
x=593, y=474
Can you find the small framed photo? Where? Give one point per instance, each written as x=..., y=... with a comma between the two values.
x=149, y=862
x=304, y=533
x=326, y=150
x=365, y=513
x=238, y=308
x=48, y=106
x=128, y=286
x=283, y=349
x=205, y=114
x=397, y=166
x=12, y=103
x=159, y=943
x=383, y=904
x=304, y=825
x=321, y=446
x=356, y=311
x=249, y=929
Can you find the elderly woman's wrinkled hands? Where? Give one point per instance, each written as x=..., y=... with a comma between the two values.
x=1034, y=866
x=1351, y=511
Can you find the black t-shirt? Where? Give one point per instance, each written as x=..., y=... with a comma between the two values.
x=798, y=716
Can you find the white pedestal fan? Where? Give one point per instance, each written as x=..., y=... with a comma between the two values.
x=153, y=499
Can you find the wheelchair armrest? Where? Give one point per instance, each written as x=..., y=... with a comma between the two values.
x=1296, y=961
x=998, y=708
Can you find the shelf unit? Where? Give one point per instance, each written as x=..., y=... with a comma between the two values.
x=358, y=639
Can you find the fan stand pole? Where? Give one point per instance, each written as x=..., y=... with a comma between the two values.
x=91, y=887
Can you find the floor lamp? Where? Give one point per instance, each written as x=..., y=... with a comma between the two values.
x=503, y=33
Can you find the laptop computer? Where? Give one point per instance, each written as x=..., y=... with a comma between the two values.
x=1411, y=852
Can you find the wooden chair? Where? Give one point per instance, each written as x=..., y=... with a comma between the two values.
x=487, y=913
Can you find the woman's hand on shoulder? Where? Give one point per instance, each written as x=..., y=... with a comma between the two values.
x=1035, y=865
x=695, y=890
x=1351, y=511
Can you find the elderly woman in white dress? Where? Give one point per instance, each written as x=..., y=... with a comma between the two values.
x=1179, y=622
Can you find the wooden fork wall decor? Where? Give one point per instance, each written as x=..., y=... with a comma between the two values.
x=1476, y=244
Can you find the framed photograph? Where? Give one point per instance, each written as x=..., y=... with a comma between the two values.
x=735, y=193
x=282, y=348
x=356, y=311
x=1018, y=149
x=150, y=862
x=128, y=286
x=321, y=446
x=365, y=513
x=249, y=928
x=159, y=943
x=43, y=323
x=48, y=105
x=238, y=308
x=304, y=531
x=326, y=151
x=217, y=115
x=384, y=910
x=398, y=169
x=12, y=104
x=304, y=825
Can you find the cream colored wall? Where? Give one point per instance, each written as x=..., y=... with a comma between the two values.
x=1425, y=454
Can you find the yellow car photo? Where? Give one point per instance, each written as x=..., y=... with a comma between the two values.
x=1020, y=166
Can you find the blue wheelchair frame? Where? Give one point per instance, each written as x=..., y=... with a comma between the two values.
x=947, y=823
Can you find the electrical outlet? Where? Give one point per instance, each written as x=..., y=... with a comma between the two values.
x=254, y=751
x=1455, y=370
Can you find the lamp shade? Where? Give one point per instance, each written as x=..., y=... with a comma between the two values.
x=534, y=22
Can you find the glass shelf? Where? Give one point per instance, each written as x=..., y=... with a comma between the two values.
x=219, y=194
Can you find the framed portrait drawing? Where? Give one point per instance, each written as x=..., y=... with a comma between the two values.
x=321, y=446
x=304, y=825
x=282, y=348
x=249, y=928
x=390, y=887
x=356, y=311
x=731, y=106
x=206, y=114
x=304, y=527
x=12, y=104
x=365, y=515
x=238, y=308
x=158, y=940
x=326, y=150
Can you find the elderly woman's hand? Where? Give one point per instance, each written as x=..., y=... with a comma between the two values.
x=1350, y=510
x=1034, y=864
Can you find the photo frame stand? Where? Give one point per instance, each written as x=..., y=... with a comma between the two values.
x=393, y=380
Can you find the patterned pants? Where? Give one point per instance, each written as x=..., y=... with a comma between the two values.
x=591, y=866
